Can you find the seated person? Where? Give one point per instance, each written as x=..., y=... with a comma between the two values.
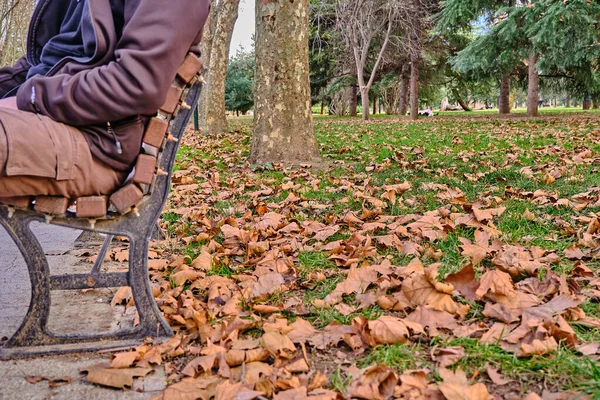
x=73, y=110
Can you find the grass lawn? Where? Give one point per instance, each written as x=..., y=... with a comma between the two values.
x=533, y=172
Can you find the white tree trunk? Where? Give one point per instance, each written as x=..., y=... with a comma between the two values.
x=214, y=120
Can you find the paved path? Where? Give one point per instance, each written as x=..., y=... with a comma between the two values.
x=71, y=312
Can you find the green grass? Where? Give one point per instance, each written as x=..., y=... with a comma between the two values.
x=485, y=158
x=564, y=366
x=401, y=357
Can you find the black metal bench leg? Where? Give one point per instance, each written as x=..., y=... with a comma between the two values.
x=33, y=328
x=152, y=322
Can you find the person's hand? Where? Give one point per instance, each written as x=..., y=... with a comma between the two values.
x=9, y=102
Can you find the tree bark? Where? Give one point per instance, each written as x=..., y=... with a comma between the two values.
x=205, y=48
x=360, y=48
x=283, y=125
x=533, y=95
x=364, y=97
x=414, y=91
x=568, y=100
x=375, y=105
x=353, y=100
x=415, y=51
x=504, y=101
x=215, y=120
x=404, y=83
x=322, y=107
x=460, y=100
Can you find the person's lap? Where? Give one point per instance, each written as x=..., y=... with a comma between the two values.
x=41, y=157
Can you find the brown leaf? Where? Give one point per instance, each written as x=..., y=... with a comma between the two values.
x=204, y=261
x=301, y=331
x=374, y=383
x=326, y=233
x=268, y=284
x=456, y=386
x=237, y=391
x=448, y=355
x=431, y=318
x=116, y=378
x=496, y=376
x=479, y=250
x=124, y=360
x=388, y=330
x=496, y=282
x=278, y=345
x=420, y=291
x=123, y=295
x=589, y=349
x=574, y=252
x=190, y=389
x=464, y=281
x=252, y=372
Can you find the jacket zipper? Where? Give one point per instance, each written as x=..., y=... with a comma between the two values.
x=114, y=135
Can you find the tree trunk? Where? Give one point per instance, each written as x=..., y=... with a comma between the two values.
x=414, y=91
x=504, y=101
x=375, y=105
x=353, y=100
x=587, y=102
x=533, y=95
x=415, y=50
x=283, y=126
x=205, y=48
x=215, y=121
x=568, y=100
x=322, y=107
x=460, y=100
x=404, y=82
x=364, y=97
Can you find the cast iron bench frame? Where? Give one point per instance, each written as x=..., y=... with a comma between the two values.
x=136, y=222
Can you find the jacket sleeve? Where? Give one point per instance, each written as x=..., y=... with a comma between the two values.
x=156, y=37
x=12, y=77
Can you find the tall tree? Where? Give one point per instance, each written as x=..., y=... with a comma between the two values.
x=283, y=126
x=483, y=56
x=205, y=47
x=365, y=24
x=239, y=96
x=566, y=35
x=213, y=116
x=533, y=95
x=415, y=56
x=404, y=84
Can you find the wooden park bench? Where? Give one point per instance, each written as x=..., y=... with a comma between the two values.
x=132, y=211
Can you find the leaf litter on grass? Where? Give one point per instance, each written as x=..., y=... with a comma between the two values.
x=244, y=307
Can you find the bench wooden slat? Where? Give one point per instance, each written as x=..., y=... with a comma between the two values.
x=190, y=68
x=126, y=197
x=19, y=202
x=92, y=207
x=156, y=132
x=173, y=97
x=53, y=205
x=144, y=169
